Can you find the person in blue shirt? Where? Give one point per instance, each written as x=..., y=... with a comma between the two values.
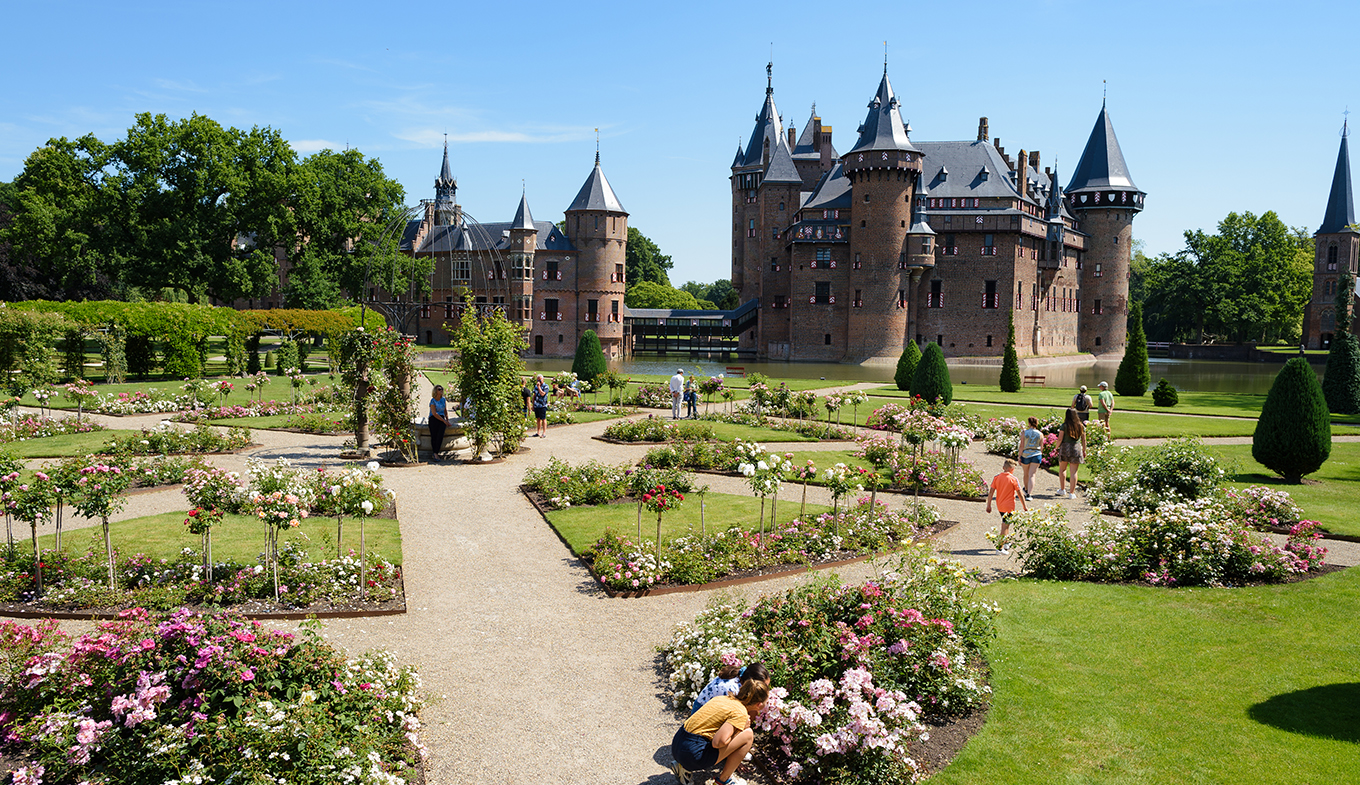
x=439, y=421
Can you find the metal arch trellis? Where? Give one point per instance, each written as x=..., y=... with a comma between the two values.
x=398, y=312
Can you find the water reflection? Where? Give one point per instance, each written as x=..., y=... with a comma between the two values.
x=1199, y=375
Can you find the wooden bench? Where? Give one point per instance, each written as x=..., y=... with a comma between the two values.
x=1034, y=381
x=736, y=370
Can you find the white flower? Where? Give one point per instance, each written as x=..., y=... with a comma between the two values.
x=373, y=466
x=368, y=507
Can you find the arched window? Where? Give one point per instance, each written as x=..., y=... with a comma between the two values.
x=1328, y=320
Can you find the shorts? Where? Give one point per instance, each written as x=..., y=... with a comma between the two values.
x=1031, y=459
x=541, y=412
x=693, y=751
x=1006, y=517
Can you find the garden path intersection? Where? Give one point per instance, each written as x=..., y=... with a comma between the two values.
x=534, y=675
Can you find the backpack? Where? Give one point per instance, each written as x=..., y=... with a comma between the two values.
x=1082, y=402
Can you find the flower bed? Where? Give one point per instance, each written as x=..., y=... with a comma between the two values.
x=189, y=698
x=818, y=430
x=1177, y=470
x=657, y=396
x=560, y=484
x=1194, y=543
x=251, y=409
x=856, y=670
x=20, y=428
x=152, y=401
x=703, y=557
x=655, y=429
x=165, y=439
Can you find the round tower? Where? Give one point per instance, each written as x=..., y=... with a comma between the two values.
x=597, y=226
x=1105, y=201
x=883, y=168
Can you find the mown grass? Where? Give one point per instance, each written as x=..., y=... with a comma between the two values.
x=66, y=444
x=1331, y=496
x=278, y=388
x=239, y=538
x=1119, y=684
x=581, y=527
x=275, y=420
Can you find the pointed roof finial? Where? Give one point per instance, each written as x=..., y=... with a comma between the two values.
x=885, y=58
x=1104, y=91
x=1345, y=123
x=597, y=147
x=769, y=73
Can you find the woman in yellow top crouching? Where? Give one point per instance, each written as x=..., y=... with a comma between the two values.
x=719, y=732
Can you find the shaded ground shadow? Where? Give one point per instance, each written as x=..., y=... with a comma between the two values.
x=1329, y=711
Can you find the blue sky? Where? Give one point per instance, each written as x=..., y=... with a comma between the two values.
x=1219, y=106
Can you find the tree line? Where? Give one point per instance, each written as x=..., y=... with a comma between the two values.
x=649, y=283
x=190, y=210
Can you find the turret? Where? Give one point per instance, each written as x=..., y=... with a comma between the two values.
x=1105, y=200
x=883, y=168
x=597, y=226
x=445, y=194
x=752, y=237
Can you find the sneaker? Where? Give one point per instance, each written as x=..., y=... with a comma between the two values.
x=1071, y=496
x=733, y=780
x=1005, y=550
x=682, y=774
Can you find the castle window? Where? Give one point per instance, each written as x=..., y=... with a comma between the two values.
x=989, y=340
x=618, y=273
x=866, y=198
x=950, y=249
x=827, y=339
x=553, y=274
x=462, y=268
x=859, y=299
x=550, y=309
x=823, y=254
x=523, y=305
x=822, y=292
x=988, y=243
x=597, y=223
x=1331, y=258
x=779, y=301
x=1096, y=309
x=1020, y=294
x=1328, y=320
x=902, y=303
x=863, y=224
x=592, y=310
x=774, y=264
x=1097, y=272
x=520, y=267
x=989, y=298
x=939, y=340
x=781, y=207
x=936, y=298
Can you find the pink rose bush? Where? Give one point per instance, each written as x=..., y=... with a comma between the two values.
x=191, y=698
x=856, y=670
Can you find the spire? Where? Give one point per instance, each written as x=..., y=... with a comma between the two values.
x=769, y=130
x=446, y=178
x=445, y=192
x=740, y=155
x=523, y=218
x=769, y=77
x=1055, y=200
x=883, y=128
x=1101, y=167
x=1340, y=203
x=596, y=194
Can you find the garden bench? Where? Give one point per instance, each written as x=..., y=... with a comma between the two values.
x=736, y=370
x=1035, y=380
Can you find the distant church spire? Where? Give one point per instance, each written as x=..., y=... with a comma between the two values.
x=1340, y=201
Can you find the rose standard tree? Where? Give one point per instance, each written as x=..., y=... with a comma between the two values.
x=100, y=495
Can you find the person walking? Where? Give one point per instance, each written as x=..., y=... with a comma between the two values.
x=1071, y=450
x=677, y=387
x=438, y=422
x=540, y=401
x=691, y=399
x=1005, y=489
x=1029, y=447
x=1082, y=403
x=1105, y=404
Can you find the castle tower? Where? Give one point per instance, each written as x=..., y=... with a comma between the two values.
x=445, y=194
x=753, y=241
x=883, y=168
x=1105, y=200
x=1336, y=246
x=597, y=226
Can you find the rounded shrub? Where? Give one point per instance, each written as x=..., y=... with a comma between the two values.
x=1164, y=394
x=1134, y=376
x=906, y=366
x=589, y=361
x=931, y=381
x=1294, y=433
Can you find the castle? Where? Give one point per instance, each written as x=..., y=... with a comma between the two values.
x=555, y=283
x=1336, y=249
x=851, y=256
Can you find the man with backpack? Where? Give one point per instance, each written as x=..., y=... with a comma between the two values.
x=1082, y=403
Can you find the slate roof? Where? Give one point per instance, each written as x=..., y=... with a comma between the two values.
x=596, y=193
x=781, y=169
x=1102, y=166
x=768, y=128
x=1340, y=203
x=832, y=192
x=445, y=172
x=740, y=157
x=482, y=237
x=883, y=128
x=523, y=218
x=955, y=169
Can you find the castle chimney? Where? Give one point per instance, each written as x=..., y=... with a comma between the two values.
x=997, y=144
x=1034, y=160
x=793, y=139
x=982, y=129
x=1022, y=173
x=816, y=133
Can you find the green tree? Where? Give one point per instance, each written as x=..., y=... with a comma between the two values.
x=589, y=361
x=931, y=381
x=1294, y=433
x=698, y=291
x=1010, y=361
x=906, y=366
x=655, y=295
x=1134, y=376
x=1139, y=264
x=1341, y=379
x=643, y=260
x=489, y=371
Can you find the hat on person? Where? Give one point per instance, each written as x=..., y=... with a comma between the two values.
x=1083, y=388
x=1104, y=384
x=679, y=370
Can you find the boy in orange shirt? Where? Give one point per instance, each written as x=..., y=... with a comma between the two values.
x=1005, y=489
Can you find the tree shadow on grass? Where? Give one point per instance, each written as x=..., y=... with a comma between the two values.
x=1329, y=711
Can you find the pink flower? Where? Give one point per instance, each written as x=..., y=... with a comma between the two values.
x=247, y=675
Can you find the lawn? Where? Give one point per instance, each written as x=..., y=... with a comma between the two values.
x=581, y=527
x=1212, y=404
x=1119, y=684
x=274, y=421
x=66, y=444
x=278, y=388
x=1331, y=501
x=239, y=538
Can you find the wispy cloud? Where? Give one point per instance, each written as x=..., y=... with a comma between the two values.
x=429, y=137
x=308, y=146
x=178, y=86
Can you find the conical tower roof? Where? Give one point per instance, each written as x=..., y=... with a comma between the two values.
x=740, y=157
x=1102, y=166
x=782, y=169
x=883, y=128
x=446, y=177
x=596, y=194
x=1340, y=204
x=769, y=128
x=523, y=218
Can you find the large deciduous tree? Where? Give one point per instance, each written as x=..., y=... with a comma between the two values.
x=643, y=260
x=649, y=294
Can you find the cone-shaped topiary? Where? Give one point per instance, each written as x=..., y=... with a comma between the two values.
x=1010, y=362
x=1164, y=394
x=589, y=361
x=1341, y=379
x=1294, y=433
x=906, y=366
x=932, y=376
x=1134, y=376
